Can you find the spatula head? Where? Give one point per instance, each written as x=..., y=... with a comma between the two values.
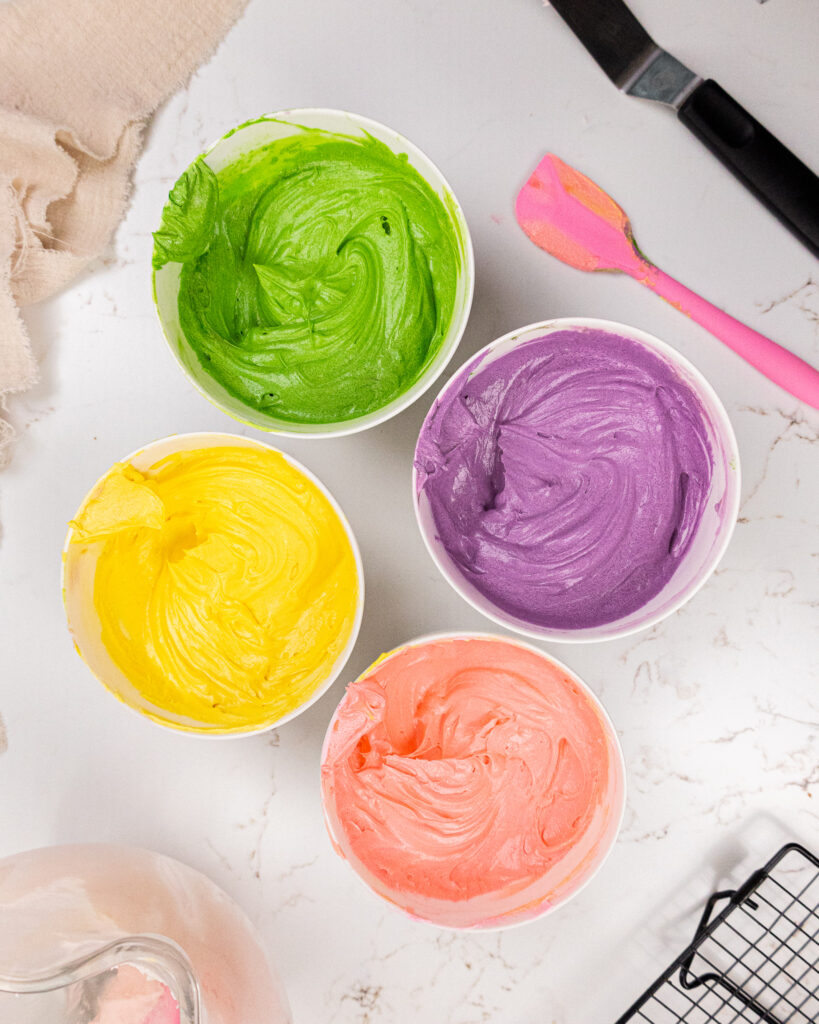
x=566, y=214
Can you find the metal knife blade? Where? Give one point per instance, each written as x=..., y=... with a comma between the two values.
x=638, y=66
x=626, y=52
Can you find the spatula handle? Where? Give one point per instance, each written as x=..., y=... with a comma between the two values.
x=758, y=159
x=775, y=362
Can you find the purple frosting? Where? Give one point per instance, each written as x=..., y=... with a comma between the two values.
x=567, y=478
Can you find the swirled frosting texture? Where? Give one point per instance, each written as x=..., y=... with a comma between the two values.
x=567, y=478
x=319, y=274
x=226, y=586
x=470, y=779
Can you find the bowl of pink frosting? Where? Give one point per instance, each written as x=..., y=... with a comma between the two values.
x=472, y=781
x=100, y=933
x=577, y=480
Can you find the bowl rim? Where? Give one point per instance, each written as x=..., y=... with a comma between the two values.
x=715, y=406
x=591, y=696
x=215, y=733
x=378, y=416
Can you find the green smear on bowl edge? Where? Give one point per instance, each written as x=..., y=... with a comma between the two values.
x=319, y=274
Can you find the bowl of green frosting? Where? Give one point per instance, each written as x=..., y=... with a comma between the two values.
x=313, y=272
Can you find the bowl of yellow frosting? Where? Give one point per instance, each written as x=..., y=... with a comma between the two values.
x=212, y=584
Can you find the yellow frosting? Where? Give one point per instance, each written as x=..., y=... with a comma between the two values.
x=226, y=586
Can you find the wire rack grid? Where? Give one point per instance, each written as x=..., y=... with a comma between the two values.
x=756, y=961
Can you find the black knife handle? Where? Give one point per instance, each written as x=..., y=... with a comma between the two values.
x=776, y=177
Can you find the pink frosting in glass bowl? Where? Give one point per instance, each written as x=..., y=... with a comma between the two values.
x=117, y=935
x=472, y=780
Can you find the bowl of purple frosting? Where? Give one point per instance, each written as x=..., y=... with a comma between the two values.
x=577, y=480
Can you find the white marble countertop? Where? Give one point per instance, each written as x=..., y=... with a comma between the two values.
x=717, y=708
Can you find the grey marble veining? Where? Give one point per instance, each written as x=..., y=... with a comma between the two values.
x=717, y=707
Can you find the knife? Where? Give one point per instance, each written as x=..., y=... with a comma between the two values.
x=639, y=67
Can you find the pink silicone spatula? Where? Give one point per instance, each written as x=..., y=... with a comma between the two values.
x=566, y=214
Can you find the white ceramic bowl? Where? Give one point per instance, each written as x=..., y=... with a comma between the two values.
x=79, y=568
x=252, y=136
x=712, y=536
x=562, y=882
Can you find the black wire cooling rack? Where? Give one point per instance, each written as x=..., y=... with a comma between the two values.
x=756, y=961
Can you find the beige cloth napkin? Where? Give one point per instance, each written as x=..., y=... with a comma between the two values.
x=78, y=80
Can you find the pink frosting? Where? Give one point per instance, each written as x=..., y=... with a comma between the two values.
x=131, y=998
x=471, y=780
x=63, y=903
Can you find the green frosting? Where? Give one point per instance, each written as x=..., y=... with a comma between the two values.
x=318, y=274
